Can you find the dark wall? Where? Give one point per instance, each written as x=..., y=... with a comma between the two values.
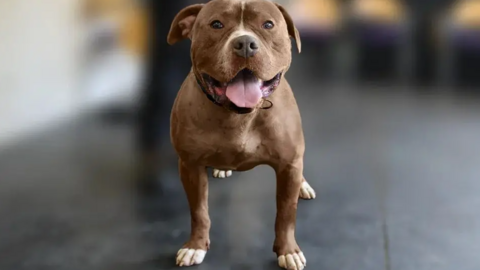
x=424, y=11
x=166, y=68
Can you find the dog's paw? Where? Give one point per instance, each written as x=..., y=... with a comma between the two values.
x=221, y=174
x=295, y=261
x=189, y=257
x=307, y=192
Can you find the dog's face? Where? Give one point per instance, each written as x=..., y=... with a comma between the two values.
x=240, y=48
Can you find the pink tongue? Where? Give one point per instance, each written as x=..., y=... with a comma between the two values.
x=245, y=93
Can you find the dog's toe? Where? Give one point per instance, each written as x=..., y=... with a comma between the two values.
x=221, y=174
x=189, y=257
x=294, y=261
x=307, y=192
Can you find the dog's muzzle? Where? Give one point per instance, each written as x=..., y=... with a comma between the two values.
x=242, y=94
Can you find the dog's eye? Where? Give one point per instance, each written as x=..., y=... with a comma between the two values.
x=216, y=25
x=268, y=25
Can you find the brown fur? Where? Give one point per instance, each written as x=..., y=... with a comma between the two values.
x=206, y=135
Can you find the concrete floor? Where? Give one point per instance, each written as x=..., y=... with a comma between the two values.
x=396, y=174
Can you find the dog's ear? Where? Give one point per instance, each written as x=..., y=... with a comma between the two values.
x=183, y=23
x=292, y=30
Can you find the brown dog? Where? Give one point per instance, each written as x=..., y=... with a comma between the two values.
x=236, y=110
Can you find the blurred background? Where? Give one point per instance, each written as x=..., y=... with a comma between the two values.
x=388, y=91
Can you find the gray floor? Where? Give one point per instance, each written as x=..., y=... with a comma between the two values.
x=397, y=175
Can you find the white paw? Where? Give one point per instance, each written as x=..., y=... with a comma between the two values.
x=292, y=261
x=221, y=174
x=307, y=192
x=189, y=257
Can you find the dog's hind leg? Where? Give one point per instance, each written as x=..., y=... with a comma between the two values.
x=221, y=174
x=195, y=183
x=306, y=191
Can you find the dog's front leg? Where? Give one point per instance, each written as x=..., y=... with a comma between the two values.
x=195, y=183
x=289, y=181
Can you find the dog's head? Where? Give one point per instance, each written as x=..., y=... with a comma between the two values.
x=240, y=48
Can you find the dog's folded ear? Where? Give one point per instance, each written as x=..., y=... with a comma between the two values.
x=292, y=30
x=183, y=23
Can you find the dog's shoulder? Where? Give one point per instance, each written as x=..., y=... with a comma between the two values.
x=280, y=127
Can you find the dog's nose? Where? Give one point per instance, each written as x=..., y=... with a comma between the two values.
x=245, y=46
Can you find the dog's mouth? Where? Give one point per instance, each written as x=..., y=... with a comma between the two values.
x=244, y=91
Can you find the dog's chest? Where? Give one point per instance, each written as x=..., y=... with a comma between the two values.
x=224, y=149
